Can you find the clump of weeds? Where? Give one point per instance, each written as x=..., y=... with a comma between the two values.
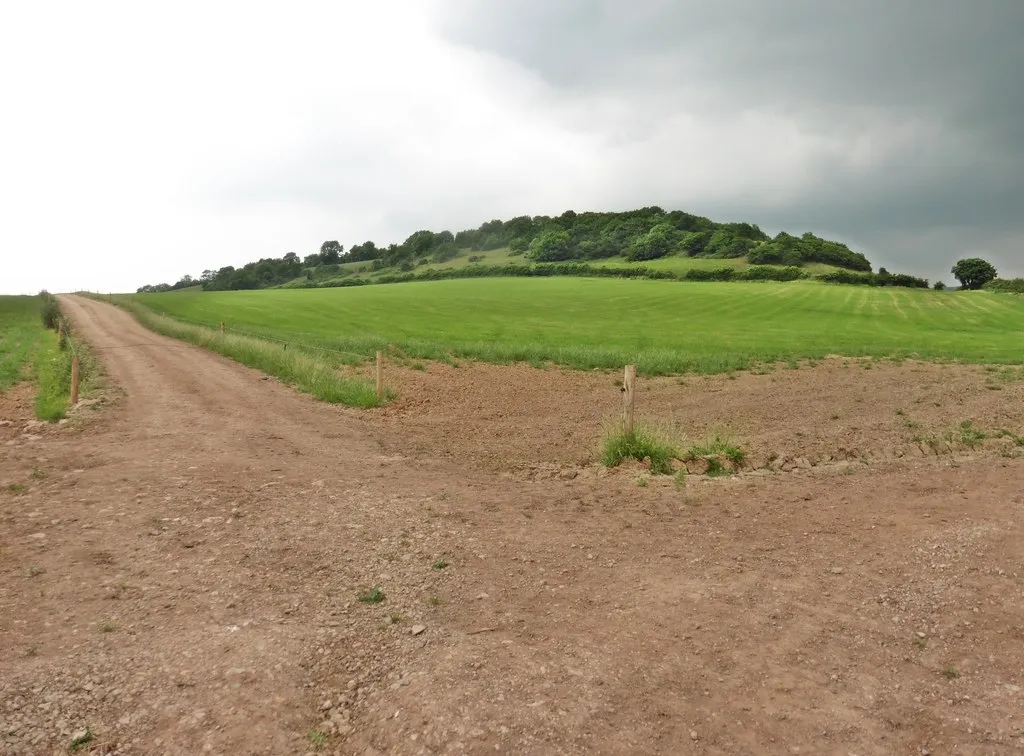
x=640, y=445
x=372, y=596
x=970, y=435
x=713, y=452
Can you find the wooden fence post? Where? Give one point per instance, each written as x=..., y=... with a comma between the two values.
x=380, y=374
x=628, y=398
x=74, y=380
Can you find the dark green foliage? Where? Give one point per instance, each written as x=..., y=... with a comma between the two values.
x=1006, y=285
x=885, y=278
x=882, y=278
x=939, y=286
x=694, y=243
x=647, y=233
x=848, y=277
x=262, y=274
x=445, y=252
x=785, y=249
x=184, y=282
x=49, y=311
x=554, y=245
x=656, y=243
x=725, y=243
x=578, y=269
x=770, y=273
x=639, y=445
x=715, y=274
x=973, y=272
x=330, y=252
x=363, y=252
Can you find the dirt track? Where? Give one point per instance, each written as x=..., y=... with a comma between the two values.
x=181, y=574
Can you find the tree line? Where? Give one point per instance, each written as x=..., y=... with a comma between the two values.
x=636, y=235
x=574, y=239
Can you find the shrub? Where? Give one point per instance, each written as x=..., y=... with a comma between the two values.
x=1006, y=285
x=49, y=311
x=771, y=273
x=882, y=278
x=716, y=447
x=715, y=274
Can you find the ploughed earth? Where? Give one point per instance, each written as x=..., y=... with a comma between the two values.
x=204, y=561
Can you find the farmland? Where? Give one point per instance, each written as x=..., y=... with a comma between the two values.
x=870, y=542
x=664, y=327
x=20, y=331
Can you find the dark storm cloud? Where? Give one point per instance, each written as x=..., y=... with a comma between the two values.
x=943, y=75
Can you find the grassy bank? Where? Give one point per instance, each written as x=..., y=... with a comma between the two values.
x=29, y=351
x=310, y=369
x=662, y=327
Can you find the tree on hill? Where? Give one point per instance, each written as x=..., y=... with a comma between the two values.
x=656, y=243
x=638, y=235
x=551, y=246
x=973, y=272
x=330, y=252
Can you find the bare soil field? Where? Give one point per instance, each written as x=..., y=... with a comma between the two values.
x=181, y=566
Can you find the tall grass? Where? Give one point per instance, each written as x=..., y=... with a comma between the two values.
x=53, y=378
x=641, y=444
x=315, y=374
x=20, y=331
x=31, y=351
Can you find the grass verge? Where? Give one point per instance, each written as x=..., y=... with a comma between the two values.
x=312, y=371
x=30, y=349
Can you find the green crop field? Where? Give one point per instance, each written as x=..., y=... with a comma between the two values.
x=20, y=332
x=663, y=327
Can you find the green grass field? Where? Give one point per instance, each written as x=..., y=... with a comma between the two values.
x=663, y=327
x=29, y=352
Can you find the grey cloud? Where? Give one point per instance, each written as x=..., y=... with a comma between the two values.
x=851, y=72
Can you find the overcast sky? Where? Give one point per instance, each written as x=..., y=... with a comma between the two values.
x=142, y=141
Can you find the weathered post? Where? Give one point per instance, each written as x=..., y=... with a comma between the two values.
x=380, y=374
x=628, y=399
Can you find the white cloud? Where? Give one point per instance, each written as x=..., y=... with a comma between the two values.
x=154, y=142
x=143, y=142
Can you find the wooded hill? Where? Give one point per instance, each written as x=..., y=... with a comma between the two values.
x=636, y=236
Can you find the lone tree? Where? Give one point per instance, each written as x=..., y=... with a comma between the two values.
x=973, y=272
x=331, y=252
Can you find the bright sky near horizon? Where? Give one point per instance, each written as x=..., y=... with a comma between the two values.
x=143, y=141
